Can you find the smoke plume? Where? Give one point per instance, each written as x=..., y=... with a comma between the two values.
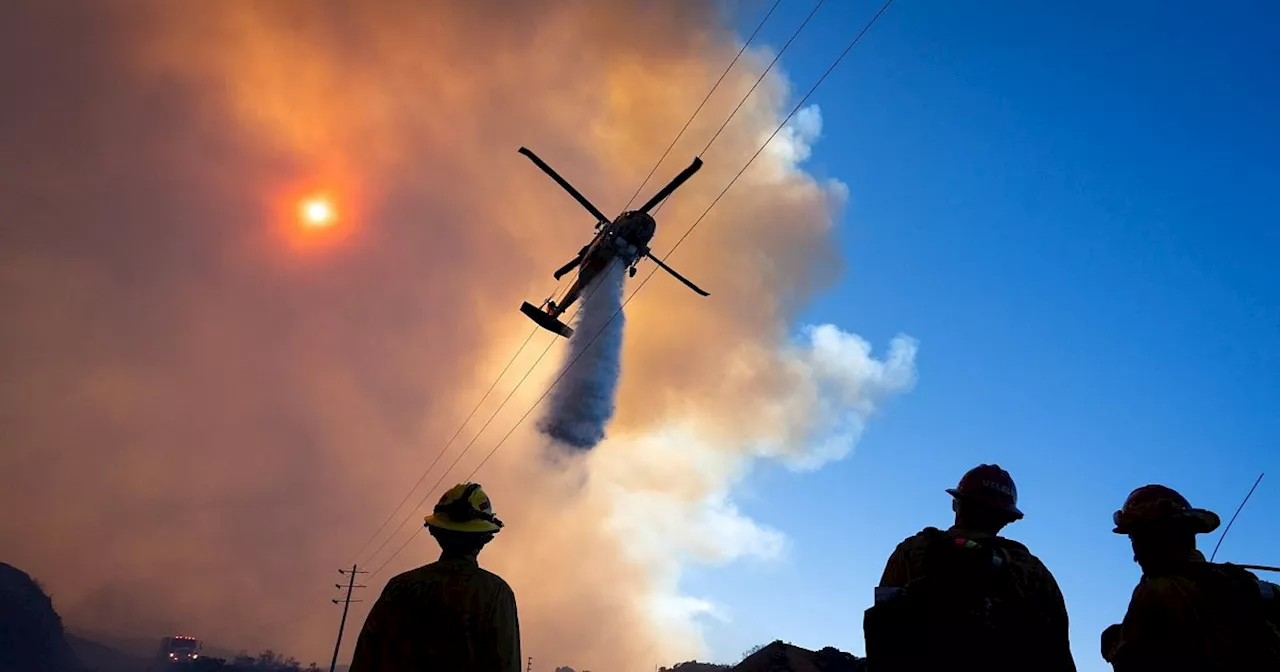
x=209, y=405
x=582, y=401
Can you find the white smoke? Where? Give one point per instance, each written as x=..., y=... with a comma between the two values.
x=582, y=403
x=671, y=490
x=843, y=385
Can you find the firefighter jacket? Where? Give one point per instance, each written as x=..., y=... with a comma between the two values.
x=1031, y=587
x=448, y=615
x=1194, y=615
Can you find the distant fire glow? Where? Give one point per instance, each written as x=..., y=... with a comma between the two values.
x=317, y=213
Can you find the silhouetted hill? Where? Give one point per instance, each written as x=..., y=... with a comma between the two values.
x=695, y=666
x=98, y=657
x=782, y=657
x=144, y=647
x=32, y=638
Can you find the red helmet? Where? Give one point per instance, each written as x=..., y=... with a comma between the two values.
x=990, y=485
x=1160, y=505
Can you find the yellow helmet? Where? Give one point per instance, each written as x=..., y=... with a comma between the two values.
x=464, y=508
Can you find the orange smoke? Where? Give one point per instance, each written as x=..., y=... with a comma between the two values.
x=205, y=418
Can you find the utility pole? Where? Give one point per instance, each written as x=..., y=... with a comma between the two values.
x=346, y=603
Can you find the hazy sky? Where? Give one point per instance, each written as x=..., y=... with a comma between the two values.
x=1071, y=206
x=1039, y=237
x=211, y=404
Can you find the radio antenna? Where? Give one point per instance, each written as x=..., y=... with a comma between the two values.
x=1233, y=517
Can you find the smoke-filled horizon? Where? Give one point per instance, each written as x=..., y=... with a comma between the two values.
x=209, y=406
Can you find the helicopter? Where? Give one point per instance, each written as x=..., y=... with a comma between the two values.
x=625, y=238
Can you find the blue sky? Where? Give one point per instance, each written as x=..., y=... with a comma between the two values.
x=1071, y=206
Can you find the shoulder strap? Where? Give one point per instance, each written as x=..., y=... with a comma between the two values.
x=933, y=533
x=972, y=563
x=1261, y=592
x=937, y=544
x=1235, y=590
x=1256, y=598
x=1010, y=544
x=1270, y=593
x=1225, y=575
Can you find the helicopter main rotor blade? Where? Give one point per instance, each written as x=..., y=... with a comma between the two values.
x=582, y=200
x=679, y=277
x=673, y=185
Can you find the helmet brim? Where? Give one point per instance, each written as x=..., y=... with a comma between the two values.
x=1206, y=520
x=478, y=526
x=1199, y=521
x=1012, y=510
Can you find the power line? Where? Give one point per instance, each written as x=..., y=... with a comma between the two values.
x=794, y=34
x=1233, y=517
x=455, y=461
x=754, y=156
x=762, y=75
x=750, y=91
x=591, y=292
x=704, y=102
x=448, y=443
x=440, y=454
x=797, y=107
x=696, y=222
x=470, y=443
x=531, y=333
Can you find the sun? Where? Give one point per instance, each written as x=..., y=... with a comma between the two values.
x=317, y=213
